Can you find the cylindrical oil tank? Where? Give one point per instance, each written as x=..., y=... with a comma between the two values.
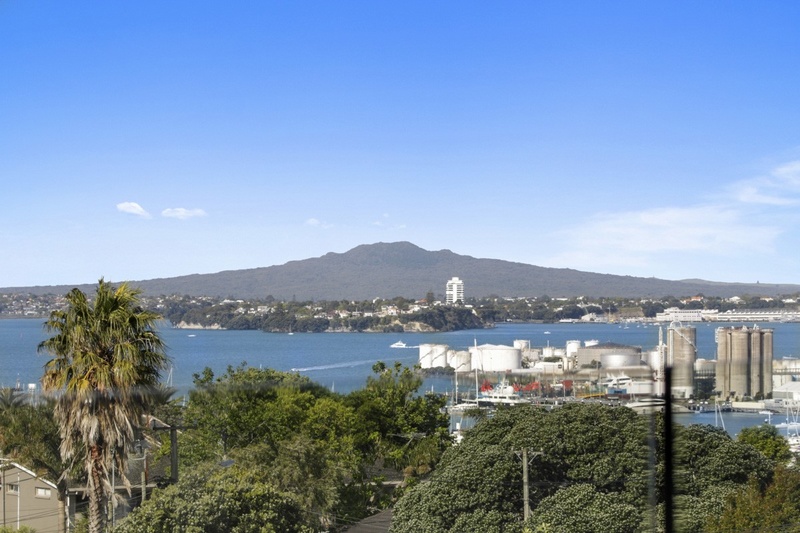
x=425, y=353
x=522, y=344
x=495, y=358
x=461, y=361
x=572, y=347
x=655, y=360
x=548, y=351
x=432, y=355
x=439, y=355
x=619, y=360
x=682, y=353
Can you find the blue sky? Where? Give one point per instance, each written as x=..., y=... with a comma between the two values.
x=141, y=140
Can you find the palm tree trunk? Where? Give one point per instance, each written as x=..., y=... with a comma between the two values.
x=97, y=495
x=62, y=513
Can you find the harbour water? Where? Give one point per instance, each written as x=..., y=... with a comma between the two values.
x=343, y=361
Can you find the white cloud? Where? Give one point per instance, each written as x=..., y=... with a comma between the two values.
x=780, y=188
x=313, y=222
x=650, y=236
x=382, y=221
x=132, y=208
x=182, y=213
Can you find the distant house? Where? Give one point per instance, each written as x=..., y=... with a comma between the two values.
x=28, y=500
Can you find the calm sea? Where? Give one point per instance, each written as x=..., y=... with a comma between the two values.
x=343, y=361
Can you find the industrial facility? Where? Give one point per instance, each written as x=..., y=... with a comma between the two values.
x=744, y=362
x=743, y=368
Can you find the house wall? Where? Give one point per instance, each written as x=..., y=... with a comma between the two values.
x=27, y=500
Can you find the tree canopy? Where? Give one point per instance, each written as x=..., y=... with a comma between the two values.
x=597, y=468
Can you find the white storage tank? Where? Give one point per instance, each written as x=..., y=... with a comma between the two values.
x=522, y=345
x=432, y=355
x=619, y=360
x=495, y=358
x=655, y=360
x=460, y=361
x=572, y=348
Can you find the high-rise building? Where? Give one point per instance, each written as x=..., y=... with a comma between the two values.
x=744, y=361
x=454, y=291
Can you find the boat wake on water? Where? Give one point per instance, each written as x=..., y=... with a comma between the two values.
x=347, y=364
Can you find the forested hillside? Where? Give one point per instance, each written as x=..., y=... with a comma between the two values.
x=388, y=270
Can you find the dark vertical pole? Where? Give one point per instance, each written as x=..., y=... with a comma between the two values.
x=526, y=509
x=173, y=453
x=669, y=526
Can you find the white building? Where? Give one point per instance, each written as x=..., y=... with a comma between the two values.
x=454, y=291
x=674, y=314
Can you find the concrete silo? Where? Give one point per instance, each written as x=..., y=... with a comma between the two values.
x=744, y=361
x=681, y=355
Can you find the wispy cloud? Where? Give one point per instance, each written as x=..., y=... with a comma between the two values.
x=182, y=213
x=316, y=223
x=132, y=208
x=382, y=221
x=745, y=222
x=780, y=187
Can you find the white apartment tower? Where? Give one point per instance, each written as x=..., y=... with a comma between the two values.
x=454, y=292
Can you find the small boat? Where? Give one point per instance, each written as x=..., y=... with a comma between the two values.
x=398, y=344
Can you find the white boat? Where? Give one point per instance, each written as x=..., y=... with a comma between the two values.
x=502, y=394
x=398, y=344
x=645, y=406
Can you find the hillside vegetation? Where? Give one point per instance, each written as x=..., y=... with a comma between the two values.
x=388, y=270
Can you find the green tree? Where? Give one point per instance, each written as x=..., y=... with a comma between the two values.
x=766, y=439
x=299, y=435
x=210, y=499
x=398, y=424
x=595, y=470
x=599, y=511
x=762, y=507
x=106, y=354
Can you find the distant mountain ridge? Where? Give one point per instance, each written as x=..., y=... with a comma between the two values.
x=388, y=270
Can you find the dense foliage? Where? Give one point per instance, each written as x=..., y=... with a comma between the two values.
x=593, y=468
x=219, y=499
x=331, y=453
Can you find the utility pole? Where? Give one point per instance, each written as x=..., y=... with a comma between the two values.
x=526, y=459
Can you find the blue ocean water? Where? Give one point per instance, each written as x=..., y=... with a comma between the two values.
x=343, y=361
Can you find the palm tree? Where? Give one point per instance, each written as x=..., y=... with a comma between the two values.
x=106, y=356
